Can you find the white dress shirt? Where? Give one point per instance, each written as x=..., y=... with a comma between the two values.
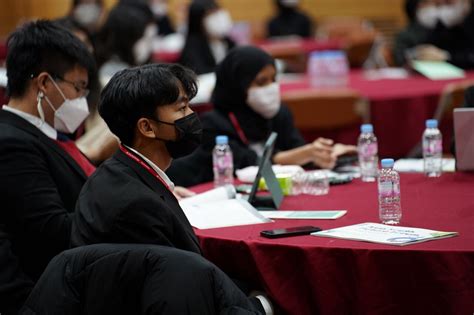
x=35, y=121
x=160, y=173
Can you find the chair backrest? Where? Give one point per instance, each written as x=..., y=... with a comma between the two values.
x=451, y=98
x=325, y=110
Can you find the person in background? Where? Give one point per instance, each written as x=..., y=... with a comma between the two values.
x=290, y=21
x=207, y=41
x=419, y=17
x=449, y=34
x=247, y=109
x=130, y=199
x=162, y=20
x=41, y=171
x=88, y=14
x=126, y=39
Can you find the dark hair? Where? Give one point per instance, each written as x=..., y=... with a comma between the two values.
x=197, y=11
x=410, y=9
x=125, y=25
x=75, y=3
x=43, y=46
x=137, y=92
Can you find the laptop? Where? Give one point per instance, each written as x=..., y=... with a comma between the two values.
x=272, y=200
x=464, y=137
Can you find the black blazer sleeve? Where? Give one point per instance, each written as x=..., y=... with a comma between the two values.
x=31, y=196
x=289, y=136
x=14, y=284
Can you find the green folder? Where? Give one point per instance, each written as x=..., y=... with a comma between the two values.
x=438, y=70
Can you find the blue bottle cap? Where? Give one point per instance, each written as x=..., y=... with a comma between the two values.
x=431, y=123
x=386, y=163
x=222, y=140
x=365, y=128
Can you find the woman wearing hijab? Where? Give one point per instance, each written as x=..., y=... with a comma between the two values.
x=207, y=41
x=289, y=21
x=247, y=109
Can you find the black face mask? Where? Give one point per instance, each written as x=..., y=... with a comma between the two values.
x=188, y=136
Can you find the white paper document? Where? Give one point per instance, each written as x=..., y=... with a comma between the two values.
x=218, y=208
x=319, y=214
x=416, y=165
x=384, y=234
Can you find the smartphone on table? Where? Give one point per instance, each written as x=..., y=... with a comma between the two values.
x=292, y=231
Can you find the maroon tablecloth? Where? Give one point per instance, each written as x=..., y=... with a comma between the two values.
x=312, y=275
x=398, y=108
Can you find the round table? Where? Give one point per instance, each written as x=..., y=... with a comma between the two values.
x=398, y=107
x=315, y=275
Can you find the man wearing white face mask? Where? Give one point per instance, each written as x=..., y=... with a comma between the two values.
x=440, y=30
x=207, y=41
x=41, y=171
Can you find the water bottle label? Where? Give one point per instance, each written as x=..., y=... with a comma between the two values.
x=433, y=146
x=224, y=162
x=388, y=189
x=369, y=150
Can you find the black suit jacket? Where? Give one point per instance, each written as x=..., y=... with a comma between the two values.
x=39, y=185
x=123, y=203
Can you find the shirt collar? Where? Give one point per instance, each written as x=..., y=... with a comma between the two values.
x=160, y=173
x=49, y=131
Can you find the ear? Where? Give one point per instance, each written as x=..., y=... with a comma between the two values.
x=144, y=127
x=42, y=82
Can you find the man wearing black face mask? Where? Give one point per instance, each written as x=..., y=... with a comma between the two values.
x=130, y=199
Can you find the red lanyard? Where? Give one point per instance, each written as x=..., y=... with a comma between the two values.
x=144, y=165
x=237, y=127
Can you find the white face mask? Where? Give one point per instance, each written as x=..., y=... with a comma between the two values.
x=265, y=100
x=87, y=14
x=159, y=9
x=143, y=48
x=454, y=14
x=69, y=115
x=427, y=16
x=218, y=24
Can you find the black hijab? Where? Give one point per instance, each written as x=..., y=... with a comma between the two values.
x=233, y=78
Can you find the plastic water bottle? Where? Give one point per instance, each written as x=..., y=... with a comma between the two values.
x=222, y=161
x=390, y=210
x=432, y=149
x=368, y=149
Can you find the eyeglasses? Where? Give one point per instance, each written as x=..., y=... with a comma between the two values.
x=84, y=92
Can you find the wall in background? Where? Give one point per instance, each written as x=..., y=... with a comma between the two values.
x=13, y=12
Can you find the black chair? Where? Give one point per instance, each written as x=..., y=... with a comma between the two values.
x=134, y=279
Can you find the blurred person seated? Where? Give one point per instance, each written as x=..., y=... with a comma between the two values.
x=94, y=140
x=159, y=8
x=130, y=199
x=162, y=20
x=247, y=109
x=88, y=14
x=125, y=40
x=440, y=30
x=41, y=171
x=207, y=41
x=289, y=21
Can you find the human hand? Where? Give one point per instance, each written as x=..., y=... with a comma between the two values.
x=341, y=149
x=321, y=153
x=430, y=53
x=181, y=192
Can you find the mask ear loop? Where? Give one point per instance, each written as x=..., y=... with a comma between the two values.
x=39, y=98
